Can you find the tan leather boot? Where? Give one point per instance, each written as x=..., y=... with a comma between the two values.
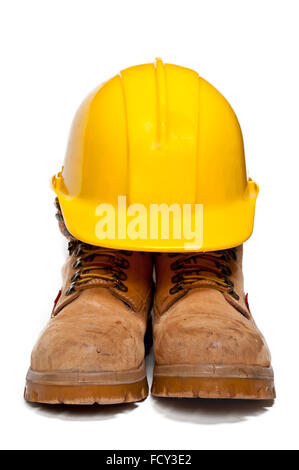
x=92, y=350
x=206, y=342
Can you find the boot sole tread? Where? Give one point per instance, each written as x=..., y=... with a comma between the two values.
x=86, y=387
x=214, y=381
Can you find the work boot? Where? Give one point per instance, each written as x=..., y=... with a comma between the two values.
x=206, y=342
x=92, y=350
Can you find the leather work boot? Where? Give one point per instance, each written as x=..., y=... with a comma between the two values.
x=206, y=342
x=92, y=350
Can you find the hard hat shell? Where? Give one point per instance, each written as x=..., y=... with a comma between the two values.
x=157, y=134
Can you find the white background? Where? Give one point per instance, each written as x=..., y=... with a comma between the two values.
x=52, y=54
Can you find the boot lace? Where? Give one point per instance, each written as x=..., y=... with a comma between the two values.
x=96, y=263
x=211, y=266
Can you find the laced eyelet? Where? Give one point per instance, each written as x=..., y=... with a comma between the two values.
x=78, y=250
x=229, y=282
x=175, y=289
x=70, y=248
x=121, y=287
x=123, y=263
x=175, y=265
x=70, y=289
x=75, y=276
x=122, y=276
x=77, y=263
x=226, y=271
x=234, y=295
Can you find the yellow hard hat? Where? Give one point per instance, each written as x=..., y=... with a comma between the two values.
x=156, y=136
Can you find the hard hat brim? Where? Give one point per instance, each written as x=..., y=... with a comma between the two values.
x=223, y=226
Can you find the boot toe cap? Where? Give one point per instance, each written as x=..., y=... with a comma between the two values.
x=91, y=343
x=210, y=339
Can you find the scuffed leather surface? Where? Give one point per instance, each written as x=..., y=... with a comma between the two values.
x=204, y=325
x=98, y=328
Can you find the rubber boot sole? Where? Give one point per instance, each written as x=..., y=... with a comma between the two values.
x=214, y=381
x=86, y=388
